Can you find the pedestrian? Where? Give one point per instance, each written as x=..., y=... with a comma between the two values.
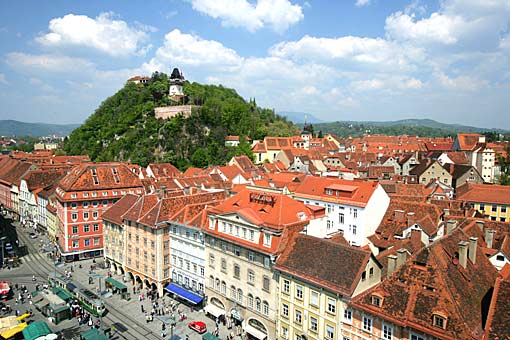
x=142, y=308
x=90, y=323
x=163, y=333
x=187, y=336
x=112, y=329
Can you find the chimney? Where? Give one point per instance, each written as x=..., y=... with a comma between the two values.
x=401, y=257
x=416, y=235
x=489, y=237
x=392, y=264
x=446, y=211
x=463, y=249
x=399, y=215
x=410, y=219
x=480, y=224
x=473, y=242
x=450, y=225
x=481, y=139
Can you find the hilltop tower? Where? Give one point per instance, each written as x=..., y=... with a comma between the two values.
x=176, y=82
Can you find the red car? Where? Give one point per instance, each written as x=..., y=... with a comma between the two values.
x=198, y=326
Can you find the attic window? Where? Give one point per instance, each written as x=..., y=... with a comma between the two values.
x=95, y=179
x=439, y=321
x=115, y=175
x=93, y=171
x=376, y=300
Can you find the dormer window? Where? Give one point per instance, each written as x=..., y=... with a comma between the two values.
x=267, y=240
x=439, y=320
x=376, y=300
x=329, y=192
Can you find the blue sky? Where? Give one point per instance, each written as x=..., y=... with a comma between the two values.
x=446, y=60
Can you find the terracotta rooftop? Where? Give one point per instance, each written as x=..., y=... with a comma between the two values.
x=484, y=193
x=97, y=176
x=329, y=264
x=355, y=193
x=40, y=179
x=468, y=141
x=434, y=282
x=115, y=212
x=164, y=170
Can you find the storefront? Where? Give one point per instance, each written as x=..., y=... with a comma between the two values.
x=117, y=287
x=184, y=294
x=255, y=329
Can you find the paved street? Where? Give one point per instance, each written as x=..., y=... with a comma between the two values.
x=127, y=316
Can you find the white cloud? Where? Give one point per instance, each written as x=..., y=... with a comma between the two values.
x=3, y=79
x=364, y=85
x=278, y=14
x=28, y=63
x=361, y=3
x=187, y=49
x=104, y=33
x=459, y=83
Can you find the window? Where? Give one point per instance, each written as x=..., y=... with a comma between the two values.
x=86, y=242
x=348, y=316
x=371, y=272
x=503, y=209
x=258, y=304
x=298, y=317
x=363, y=276
x=74, y=205
x=105, y=203
x=439, y=321
x=265, y=283
x=96, y=227
x=95, y=203
x=233, y=292
x=244, y=232
x=251, y=256
x=240, y=296
x=387, y=332
x=367, y=324
x=354, y=228
x=252, y=235
x=482, y=206
x=86, y=215
x=299, y=292
x=494, y=208
x=85, y=204
x=330, y=332
x=251, y=276
x=223, y=288
x=237, y=230
x=250, y=301
x=285, y=310
x=74, y=216
x=267, y=240
x=86, y=228
x=211, y=260
x=224, y=227
x=286, y=286
x=237, y=251
x=223, y=265
x=313, y=324
x=75, y=229
x=376, y=300
x=417, y=337
x=285, y=332
x=500, y=258
x=76, y=243
x=314, y=298
x=237, y=271
x=95, y=214
x=355, y=211
x=265, y=308
x=331, y=305
x=341, y=218
x=230, y=228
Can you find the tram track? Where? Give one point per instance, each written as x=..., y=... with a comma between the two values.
x=40, y=267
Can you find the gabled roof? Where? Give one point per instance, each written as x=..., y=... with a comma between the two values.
x=457, y=157
x=272, y=210
x=484, y=193
x=12, y=170
x=116, y=211
x=40, y=179
x=432, y=281
x=468, y=141
x=164, y=170
x=107, y=176
x=356, y=193
x=498, y=320
x=326, y=263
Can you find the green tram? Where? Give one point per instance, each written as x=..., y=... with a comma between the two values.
x=88, y=299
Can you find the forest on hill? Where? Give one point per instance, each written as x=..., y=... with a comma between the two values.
x=124, y=127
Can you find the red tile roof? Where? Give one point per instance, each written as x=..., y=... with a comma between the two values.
x=326, y=263
x=468, y=141
x=484, y=193
x=115, y=212
x=432, y=281
x=356, y=193
x=164, y=170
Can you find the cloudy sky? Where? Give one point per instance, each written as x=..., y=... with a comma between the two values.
x=447, y=60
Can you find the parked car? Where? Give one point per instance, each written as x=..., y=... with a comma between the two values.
x=198, y=326
x=32, y=235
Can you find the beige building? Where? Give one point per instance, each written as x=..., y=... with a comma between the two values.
x=313, y=294
x=243, y=239
x=428, y=171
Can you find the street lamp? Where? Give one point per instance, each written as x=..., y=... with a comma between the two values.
x=2, y=240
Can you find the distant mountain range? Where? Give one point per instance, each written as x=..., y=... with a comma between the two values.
x=14, y=128
x=299, y=117
x=428, y=123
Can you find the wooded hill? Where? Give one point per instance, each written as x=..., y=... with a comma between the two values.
x=124, y=127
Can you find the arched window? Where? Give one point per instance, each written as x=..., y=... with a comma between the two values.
x=250, y=301
x=265, y=308
x=240, y=296
x=218, y=284
x=257, y=304
x=233, y=292
x=223, y=288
